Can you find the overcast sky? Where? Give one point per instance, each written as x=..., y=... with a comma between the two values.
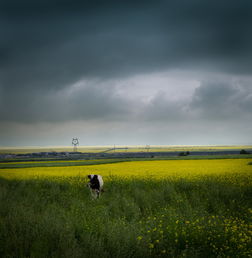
x=125, y=72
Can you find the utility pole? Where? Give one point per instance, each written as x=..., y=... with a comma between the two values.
x=75, y=143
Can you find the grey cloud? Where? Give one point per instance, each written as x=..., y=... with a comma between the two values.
x=87, y=101
x=219, y=99
x=163, y=108
x=222, y=100
x=216, y=100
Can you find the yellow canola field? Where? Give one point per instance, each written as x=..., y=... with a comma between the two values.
x=192, y=169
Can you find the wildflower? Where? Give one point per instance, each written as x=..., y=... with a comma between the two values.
x=151, y=245
x=139, y=238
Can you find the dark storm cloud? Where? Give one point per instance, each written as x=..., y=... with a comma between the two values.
x=46, y=47
x=63, y=40
x=223, y=100
x=162, y=108
x=214, y=100
x=88, y=102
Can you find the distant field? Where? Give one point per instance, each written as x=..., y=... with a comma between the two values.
x=15, y=163
x=158, y=208
x=95, y=149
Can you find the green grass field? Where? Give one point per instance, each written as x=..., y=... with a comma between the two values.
x=166, y=208
x=15, y=163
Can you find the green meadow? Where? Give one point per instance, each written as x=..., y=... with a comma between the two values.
x=179, y=208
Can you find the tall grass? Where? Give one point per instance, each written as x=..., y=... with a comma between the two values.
x=56, y=217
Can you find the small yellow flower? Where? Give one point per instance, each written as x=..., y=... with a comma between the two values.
x=151, y=245
x=139, y=238
x=157, y=241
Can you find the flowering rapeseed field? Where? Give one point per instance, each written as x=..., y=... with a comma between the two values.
x=169, y=208
x=173, y=169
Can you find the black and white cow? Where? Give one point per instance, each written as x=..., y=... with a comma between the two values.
x=96, y=185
